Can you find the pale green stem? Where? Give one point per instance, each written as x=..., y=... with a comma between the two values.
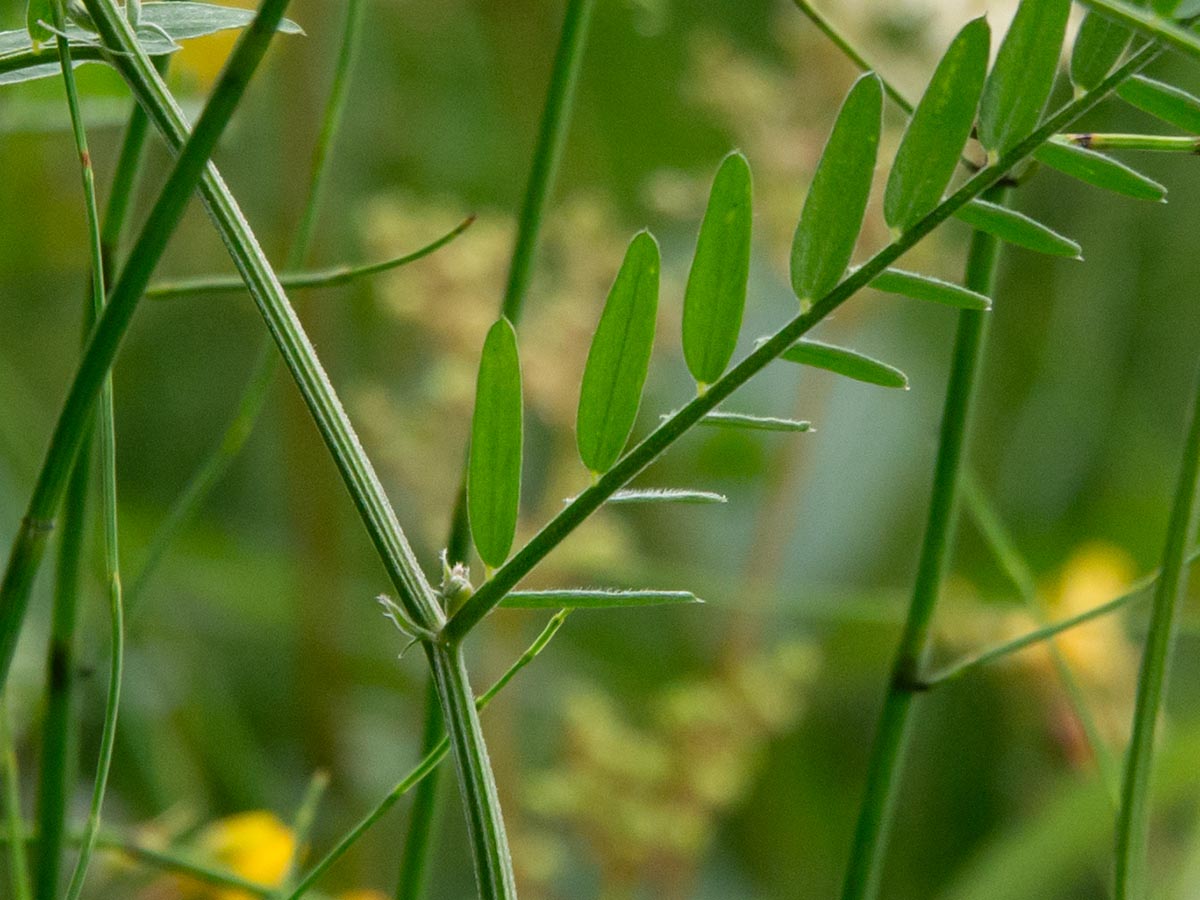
x=302, y=826
x=1155, y=143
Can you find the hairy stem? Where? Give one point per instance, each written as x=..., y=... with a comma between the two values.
x=1133, y=820
x=875, y=814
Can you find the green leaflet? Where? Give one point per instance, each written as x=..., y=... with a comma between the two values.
x=619, y=358
x=745, y=421
x=933, y=142
x=1164, y=101
x=928, y=288
x=845, y=362
x=1151, y=24
x=1017, y=228
x=595, y=599
x=1098, y=46
x=1099, y=171
x=1021, y=79
x=667, y=495
x=178, y=21
x=716, y=288
x=494, y=464
x=837, y=200
x=38, y=12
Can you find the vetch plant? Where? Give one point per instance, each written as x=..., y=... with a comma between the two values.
x=967, y=113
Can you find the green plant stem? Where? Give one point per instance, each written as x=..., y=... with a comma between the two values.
x=552, y=135
x=1154, y=26
x=1155, y=143
x=551, y=141
x=306, y=817
x=971, y=664
x=54, y=771
x=55, y=774
x=1133, y=820
x=1004, y=548
x=428, y=764
x=319, y=278
x=875, y=814
x=258, y=386
x=106, y=437
x=163, y=860
x=852, y=53
x=18, y=861
x=636, y=459
x=477, y=785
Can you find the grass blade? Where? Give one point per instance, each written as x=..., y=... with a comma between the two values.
x=849, y=363
x=933, y=142
x=930, y=289
x=1016, y=228
x=1099, y=171
x=715, y=298
x=18, y=860
x=837, y=199
x=1133, y=820
x=747, y=422
x=1019, y=85
x=1173, y=105
x=494, y=468
x=619, y=358
x=667, y=495
x=595, y=599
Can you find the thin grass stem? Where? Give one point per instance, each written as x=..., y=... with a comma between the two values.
x=869, y=845
x=1004, y=549
x=548, y=151
x=1133, y=819
x=317, y=278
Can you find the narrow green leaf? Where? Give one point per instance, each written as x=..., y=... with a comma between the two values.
x=837, y=199
x=1098, y=45
x=1173, y=105
x=933, y=142
x=745, y=421
x=1099, y=171
x=1017, y=228
x=38, y=15
x=619, y=358
x=849, y=363
x=1021, y=79
x=1152, y=24
x=928, y=288
x=185, y=20
x=595, y=599
x=716, y=288
x=494, y=465
x=163, y=25
x=666, y=495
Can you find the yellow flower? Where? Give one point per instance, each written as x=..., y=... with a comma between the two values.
x=362, y=895
x=200, y=60
x=254, y=845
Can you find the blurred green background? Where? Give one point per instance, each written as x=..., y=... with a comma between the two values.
x=705, y=752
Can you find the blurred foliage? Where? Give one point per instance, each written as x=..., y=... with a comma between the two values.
x=258, y=655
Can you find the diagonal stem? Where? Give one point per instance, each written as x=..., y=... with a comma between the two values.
x=1133, y=820
x=679, y=423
